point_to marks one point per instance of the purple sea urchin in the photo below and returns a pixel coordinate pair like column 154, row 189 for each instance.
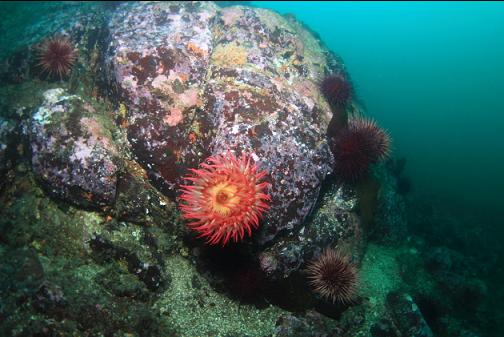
column 362, row 143
column 57, row 56
column 333, row 276
column 337, row 90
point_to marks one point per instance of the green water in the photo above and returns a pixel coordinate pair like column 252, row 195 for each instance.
column 432, row 73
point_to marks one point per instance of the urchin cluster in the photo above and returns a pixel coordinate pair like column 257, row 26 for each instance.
column 226, row 198
column 359, row 145
column 57, row 56
column 333, row 276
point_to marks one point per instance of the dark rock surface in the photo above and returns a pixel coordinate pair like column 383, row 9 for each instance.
column 383, row 328
column 312, row 325
column 72, row 151
column 333, row 224
column 8, row 142
column 407, row 315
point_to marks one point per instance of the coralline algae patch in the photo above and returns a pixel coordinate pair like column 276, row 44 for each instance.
column 229, row 55
column 198, row 80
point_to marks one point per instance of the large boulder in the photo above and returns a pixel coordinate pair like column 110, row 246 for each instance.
column 195, row 80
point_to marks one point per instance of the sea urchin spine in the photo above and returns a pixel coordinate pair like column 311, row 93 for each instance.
column 226, row 199
column 333, row 276
column 57, row 56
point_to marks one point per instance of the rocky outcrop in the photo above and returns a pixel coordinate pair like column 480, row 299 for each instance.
column 196, row 80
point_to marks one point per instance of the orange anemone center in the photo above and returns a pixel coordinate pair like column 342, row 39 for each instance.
column 223, row 198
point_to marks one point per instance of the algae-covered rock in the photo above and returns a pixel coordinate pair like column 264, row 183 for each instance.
column 312, row 324
column 407, row 315
column 66, row 287
column 72, row 150
column 333, row 224
column 198, row 80
column 8, row 137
